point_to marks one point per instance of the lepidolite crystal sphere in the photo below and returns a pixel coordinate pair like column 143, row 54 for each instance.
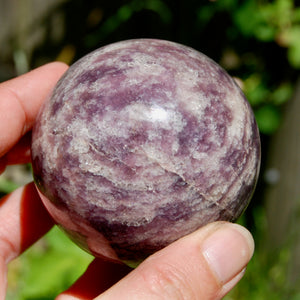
column 142, row 142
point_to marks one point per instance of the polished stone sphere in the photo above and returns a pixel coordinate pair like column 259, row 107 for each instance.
column 142, row 142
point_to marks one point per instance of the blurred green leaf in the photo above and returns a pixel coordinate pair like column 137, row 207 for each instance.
column 255, row 90
column 282, row 94
column 49, row 267
column 248, row 18
column 268, row 119
column 296, row 297
column 7, row 186
column 161, row 8
column 123, row 14
column 265, row 33
column 294, row 55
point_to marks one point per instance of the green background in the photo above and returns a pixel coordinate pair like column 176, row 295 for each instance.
column 258, row 42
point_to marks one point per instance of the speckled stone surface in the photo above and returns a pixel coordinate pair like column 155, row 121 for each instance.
column 142, row 142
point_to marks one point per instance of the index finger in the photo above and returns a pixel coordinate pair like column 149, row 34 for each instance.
column 23, row 220
column 20, row 100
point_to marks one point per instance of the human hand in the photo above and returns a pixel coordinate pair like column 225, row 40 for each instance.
column 203, row 265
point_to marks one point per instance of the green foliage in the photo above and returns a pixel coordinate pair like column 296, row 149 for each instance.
column 265, row 102
column 262, row 35
column 257, row 41
column 124, row 13
column 272, row 21
column 7, row 186
column 47, row 268
column 266, row 27
column 268, row 118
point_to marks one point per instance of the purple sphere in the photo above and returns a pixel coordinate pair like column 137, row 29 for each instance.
column 142, row 142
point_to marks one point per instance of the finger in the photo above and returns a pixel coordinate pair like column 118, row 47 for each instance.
column 20, row 100
column 203, row 265
column 19, row 154
column 23, row 220
column 3, row 271
column 99, row 276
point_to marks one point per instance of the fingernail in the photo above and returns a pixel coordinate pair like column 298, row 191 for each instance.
column 228, row 286
column 228, row 250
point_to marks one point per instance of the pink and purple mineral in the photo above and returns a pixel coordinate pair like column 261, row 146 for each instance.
column 142, row 142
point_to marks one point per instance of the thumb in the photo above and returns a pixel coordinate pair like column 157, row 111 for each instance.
column 203, row 265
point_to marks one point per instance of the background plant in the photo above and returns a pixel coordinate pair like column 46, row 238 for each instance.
column 256, row 41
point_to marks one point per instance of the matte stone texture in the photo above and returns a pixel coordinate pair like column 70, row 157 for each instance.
column 142, row 142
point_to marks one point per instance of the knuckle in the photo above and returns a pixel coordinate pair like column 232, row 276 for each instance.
column 8, row 249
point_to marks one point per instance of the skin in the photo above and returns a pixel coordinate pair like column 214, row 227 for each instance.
column 203, row 265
